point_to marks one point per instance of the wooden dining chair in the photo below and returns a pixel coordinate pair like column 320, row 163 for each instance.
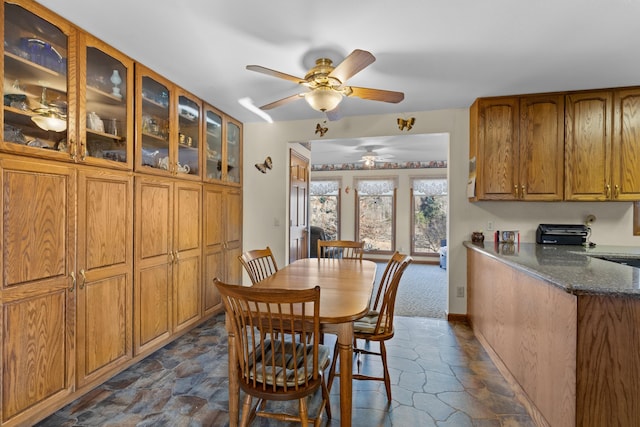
column 259, row 264
column 346, row 249
column 377, row 325
column 277, row 369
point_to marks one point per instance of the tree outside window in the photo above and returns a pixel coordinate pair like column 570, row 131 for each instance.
column 375, row 212
column 430, row 206
column 324, row 200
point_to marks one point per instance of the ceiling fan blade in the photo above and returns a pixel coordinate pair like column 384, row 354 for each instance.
column 352, row 64
column 274, row 73
column 377, row 94
column 282, row 101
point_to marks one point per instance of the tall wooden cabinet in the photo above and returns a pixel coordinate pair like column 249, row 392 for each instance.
column 104, row 273
column 517, row 144
column 222, row 240
column 108, row 230
column 38, row 286
column 167, row 259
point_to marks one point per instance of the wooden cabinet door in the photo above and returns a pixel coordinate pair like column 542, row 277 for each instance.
column 153, row 268
column 187, row 248
column 626, row 145
column 105, row 269
column 37, row 293
column 497, row 149
column 541, row 148
column 588, row 146
column 214, row 234
column 233, row 234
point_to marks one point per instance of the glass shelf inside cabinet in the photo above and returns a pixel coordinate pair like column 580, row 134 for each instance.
column 35, row 81
column 214, row 145
column 188, row 136
column 233, row 152
column 106, row 109
column 155, row 124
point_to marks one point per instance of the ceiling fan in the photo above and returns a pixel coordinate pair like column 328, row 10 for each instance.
column 327, row 84
column 370, row 157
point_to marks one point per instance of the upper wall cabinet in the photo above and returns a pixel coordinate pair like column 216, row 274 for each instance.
column 168, row 131
column 603, row 145
column 39, row 83
column 223, row 151
column 67, row 96
column 517, row 143
column 105, row 105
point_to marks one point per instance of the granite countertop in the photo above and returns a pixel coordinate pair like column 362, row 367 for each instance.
column 572, row 268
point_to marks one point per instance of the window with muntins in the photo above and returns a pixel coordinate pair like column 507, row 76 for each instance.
column 375, row 214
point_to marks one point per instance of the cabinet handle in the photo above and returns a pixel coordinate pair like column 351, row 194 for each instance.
column 73, row 281
column 616, row 191
column 173, row 259
column 522, row 191
column 607, row 190
column 84, row 278
column 515, row 187
column 83, row 150
column 177, row 256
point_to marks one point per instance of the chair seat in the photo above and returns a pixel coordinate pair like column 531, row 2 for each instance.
column 294, row 367
column 367, row 324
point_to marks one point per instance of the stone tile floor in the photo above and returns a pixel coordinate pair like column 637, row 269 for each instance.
column 440, row 374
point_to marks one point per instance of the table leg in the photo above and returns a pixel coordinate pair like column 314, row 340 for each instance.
column 234, row 384
column 345, row 346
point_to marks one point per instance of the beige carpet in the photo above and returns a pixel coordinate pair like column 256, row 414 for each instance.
column 422, row 291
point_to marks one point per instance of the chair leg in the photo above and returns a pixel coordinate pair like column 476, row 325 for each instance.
column 387, row 378
column 246, row 411
column 304, row 412
column 325, row 397
column 332, row 371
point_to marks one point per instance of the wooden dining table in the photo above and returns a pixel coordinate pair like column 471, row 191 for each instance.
column 346, row 286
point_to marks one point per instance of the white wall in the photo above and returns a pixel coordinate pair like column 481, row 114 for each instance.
column 266, row 195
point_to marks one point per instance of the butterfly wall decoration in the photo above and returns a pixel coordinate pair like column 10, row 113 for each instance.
column 321, row 130
column 406, row 124
column 263, row 167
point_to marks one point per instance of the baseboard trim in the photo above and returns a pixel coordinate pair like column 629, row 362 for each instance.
column 453, row 317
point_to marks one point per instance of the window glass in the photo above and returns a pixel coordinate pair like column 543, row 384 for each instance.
column 376, row 214
column 430, row 206
column 324, row 199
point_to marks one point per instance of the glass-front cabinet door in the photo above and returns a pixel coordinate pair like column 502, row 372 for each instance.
column 234, row 151
column 39, row 89
column 105, row 110
column 153, row 123
column 213, row 149
column 189, row 119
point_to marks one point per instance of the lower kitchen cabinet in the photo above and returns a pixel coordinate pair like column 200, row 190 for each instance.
column 222, row 240
column 66, row 289
column 104, row 288
column 38, row 261
column 167, row 259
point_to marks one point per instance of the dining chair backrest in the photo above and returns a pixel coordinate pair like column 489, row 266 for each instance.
column 346, row 249
column 259, row 264
column 272, row 364
column 385, row 301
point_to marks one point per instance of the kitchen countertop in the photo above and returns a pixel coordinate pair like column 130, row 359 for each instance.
column 572, row 268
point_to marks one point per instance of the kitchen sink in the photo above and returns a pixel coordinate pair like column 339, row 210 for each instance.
column 625, row 260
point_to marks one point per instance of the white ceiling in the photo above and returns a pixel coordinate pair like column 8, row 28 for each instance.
column 441, row 54
column 396, row 149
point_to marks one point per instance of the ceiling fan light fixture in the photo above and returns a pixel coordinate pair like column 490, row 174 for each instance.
column 369, row 161
column 323, row 98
